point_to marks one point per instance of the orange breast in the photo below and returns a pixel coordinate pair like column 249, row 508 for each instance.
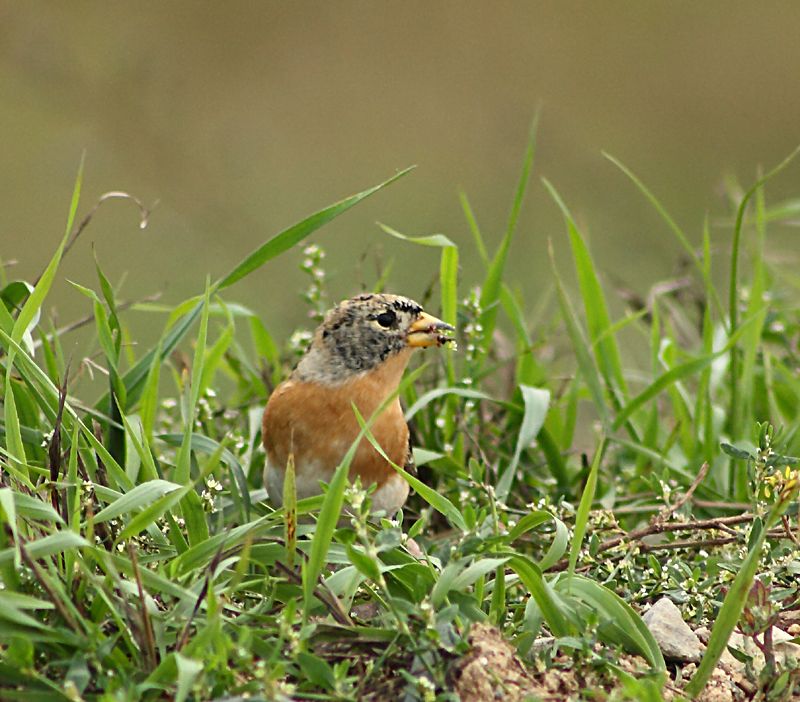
column 316, row 422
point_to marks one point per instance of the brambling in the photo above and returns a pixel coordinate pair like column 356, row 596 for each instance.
column 357, row 356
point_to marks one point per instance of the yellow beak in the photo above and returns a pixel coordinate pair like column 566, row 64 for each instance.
column 426, row 331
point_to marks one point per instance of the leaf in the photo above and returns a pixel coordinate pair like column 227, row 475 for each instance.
column 551, row 607
column 594, row 303
column 8, row 513
column 493, row 283
column 432, row 395
column 317, row 670
column 48, row 545
column 536, row 403
column 585, row 506
column 728, row 615
column 205, row 444
column 363, row 563
column 188, row 671
column 326, row 525
column 465, row 577
column 560, row 538
column 295, row 234
column 434, row 240
column 618, row 621
column 141, row 496
column 586, row 362
column 33, row 508
column 738, row 453
column 290, row 511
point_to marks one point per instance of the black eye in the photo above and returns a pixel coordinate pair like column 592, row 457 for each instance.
column 386, row 319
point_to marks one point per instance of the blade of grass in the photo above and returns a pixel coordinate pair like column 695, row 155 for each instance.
column 674, row 374
column 617, row 616
column 474, row 229
column 674, row 228
column 594, row 303
column 27, row 316
column 493, row 283
column 585, row 506
column 536, row 403
column 191, row 507
column 290, row 511
column 295, row 234
column 586, row 362
column 728, row 616
column 733, row 291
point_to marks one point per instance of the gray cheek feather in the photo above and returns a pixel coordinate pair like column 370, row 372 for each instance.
column 364, row 350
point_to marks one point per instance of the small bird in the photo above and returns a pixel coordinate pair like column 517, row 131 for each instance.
column 357, row 356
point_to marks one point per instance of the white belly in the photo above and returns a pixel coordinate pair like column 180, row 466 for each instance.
column 388, row 498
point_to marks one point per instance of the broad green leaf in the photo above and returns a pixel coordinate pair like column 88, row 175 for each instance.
column 617, row 619
column 435, row 240
column 432, row 395
column 536, row 403
column 141, row 496
column 48, row 545
column 34, row 508
column 189, row 670
column 551, row 607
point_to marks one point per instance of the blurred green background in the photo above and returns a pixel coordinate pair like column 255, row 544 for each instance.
column 240, row 118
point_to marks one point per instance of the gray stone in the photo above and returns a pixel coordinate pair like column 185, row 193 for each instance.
column 673, row 636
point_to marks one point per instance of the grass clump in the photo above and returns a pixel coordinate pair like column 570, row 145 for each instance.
column 138, row 559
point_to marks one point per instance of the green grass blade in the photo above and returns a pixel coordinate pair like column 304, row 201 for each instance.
column 436, row 393
column 618, row 621
column 674, row 374
column 585, row 506
column 290, row 511
column 474, row 229
column 680, row 235
column 493, row 283
column 138, row 498
column 728, row 616
column 733, row 284
column 326, row 524
column 598, row 320
column 552, row 609
column 296, row 233
column 586, row 362
column 536, row 403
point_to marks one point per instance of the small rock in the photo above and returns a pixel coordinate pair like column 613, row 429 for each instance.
column 673, row 636
column 781, row 641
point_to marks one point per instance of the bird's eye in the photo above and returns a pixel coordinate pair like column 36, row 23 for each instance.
column 386, row 319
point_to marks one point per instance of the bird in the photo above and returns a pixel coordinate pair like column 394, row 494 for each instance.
column 357, row 356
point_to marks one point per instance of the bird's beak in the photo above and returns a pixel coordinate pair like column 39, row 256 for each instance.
column 427, row 331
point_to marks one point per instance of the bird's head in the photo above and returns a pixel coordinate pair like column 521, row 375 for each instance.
column 365, row 331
